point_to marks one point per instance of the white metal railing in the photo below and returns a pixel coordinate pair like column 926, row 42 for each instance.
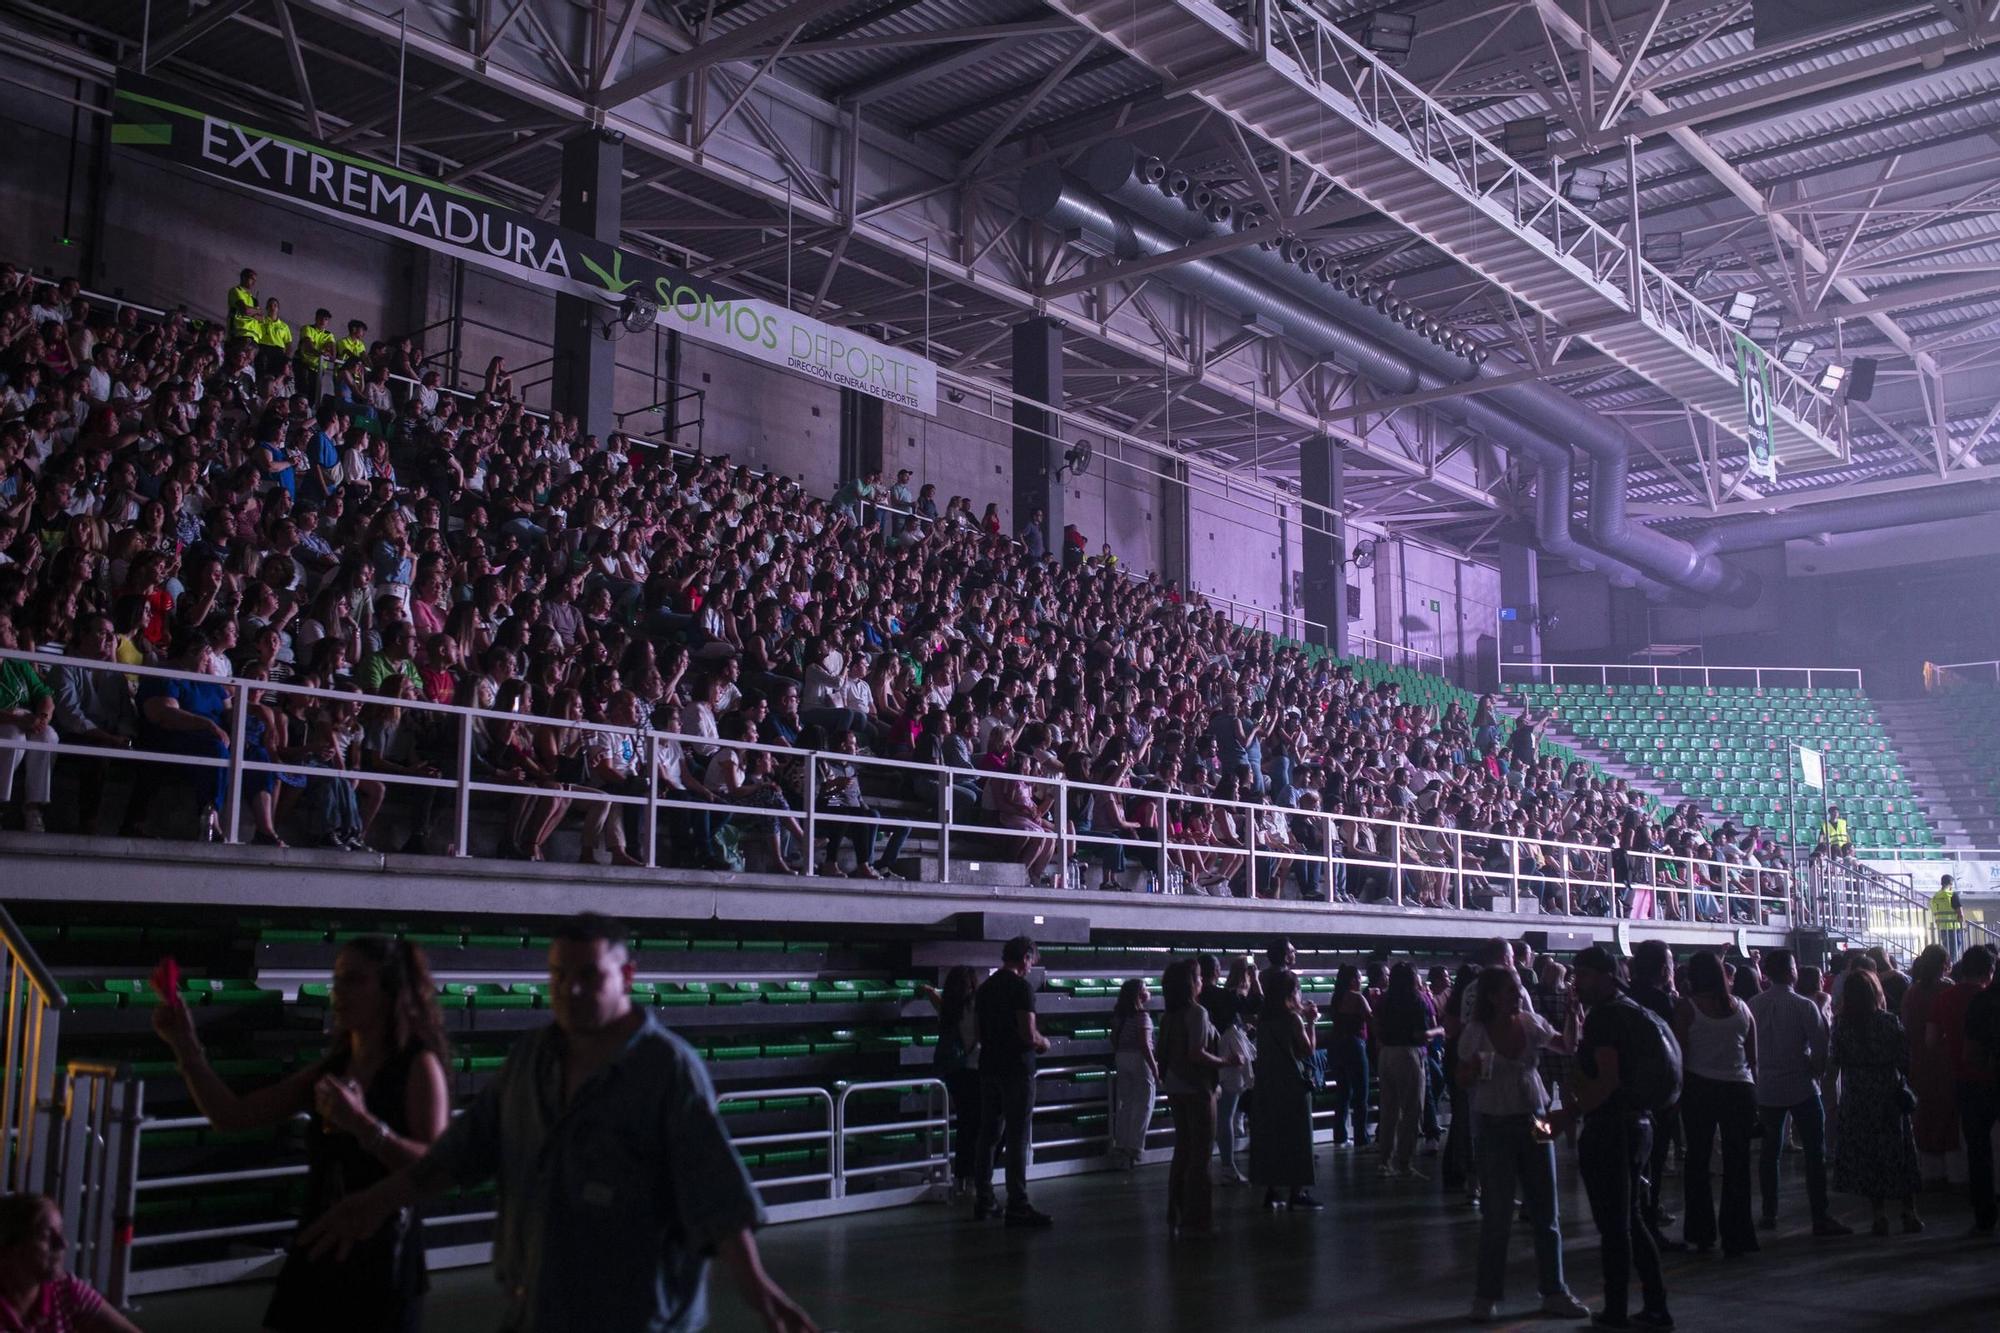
column 1946, row 675
column 825, row 1136
column 1297, row 40
column 1243, row 854
column 934, row 1126
column 97, row 1174
column 1650, row 673
column 1873, row 906
column 30, row 1105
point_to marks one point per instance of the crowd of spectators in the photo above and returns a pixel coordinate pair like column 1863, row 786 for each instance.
column 322, row 512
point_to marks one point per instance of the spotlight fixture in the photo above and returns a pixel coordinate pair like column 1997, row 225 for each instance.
column 1584, row 186
column 1764, row 327
column 1391, row 36
column 1741, row 306
column 1663, row 247
column 1832, row 378
column 1797, row 352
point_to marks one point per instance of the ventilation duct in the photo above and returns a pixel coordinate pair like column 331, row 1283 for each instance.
column 1396, row 359
column 1931, row 505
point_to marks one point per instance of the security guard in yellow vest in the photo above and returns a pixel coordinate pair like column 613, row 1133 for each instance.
column 1833, row 832
column 242, row 306
column 1946, row 919
column 354, row 347
column 316, row 354
column 274, row 340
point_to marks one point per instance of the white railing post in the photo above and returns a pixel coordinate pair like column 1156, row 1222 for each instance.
column 652, row 750
column 238, row 729
column 1514, row 872
column 1396, row 861
column 463, row 836
column 1062, row 857
column 947, row 789
column 812, row 812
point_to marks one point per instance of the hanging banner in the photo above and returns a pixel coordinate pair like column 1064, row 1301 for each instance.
column 159, row 121
column 1815, row 772
column 1753, row 372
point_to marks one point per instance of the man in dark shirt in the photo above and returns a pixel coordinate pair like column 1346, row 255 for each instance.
column 1613, row 1144
column 1004, row 1011
column 1653, row 988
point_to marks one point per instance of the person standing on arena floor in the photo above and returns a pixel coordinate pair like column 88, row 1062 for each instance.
column 1947, row 918
column 617, row 1179
column 1009, row 1041
column 1348, row 1055
column 1615, row 1139
column 1499, row 1053
column 1404, row 1026
column 1281, row 1128
column 1979, row 1096
column 378, row 1100
column 955, row 1061
column 1791, row 1055
column 1719, row 1044
column 1653, row 988
column 1135, row 1074
column 1948, row 1037
column 1875, row 1150
column 1935, row 1122
column 1232, row 1005
column 1190, row 1056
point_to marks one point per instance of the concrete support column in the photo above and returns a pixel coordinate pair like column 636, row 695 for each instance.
column 1520, row 594
column 585, row 359
column 1322, row 539
column 1174, row 522
column 1038, row 446
column 861, row 434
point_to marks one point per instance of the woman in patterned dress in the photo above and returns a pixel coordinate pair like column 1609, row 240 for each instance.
column 1875, row 1150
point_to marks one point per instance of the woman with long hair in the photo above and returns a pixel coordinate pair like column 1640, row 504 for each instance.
column 1931, row 1075
column 1281, row 1128
column 38, row 1296
column 1404, row 1026
column 1136, row 1078
column 1875, row 1149
column 1347, row 1055
column 1499, row 1053
column 378, row 1100
column 956, row 1061
column 1719, row 1048
column 1189, row 1056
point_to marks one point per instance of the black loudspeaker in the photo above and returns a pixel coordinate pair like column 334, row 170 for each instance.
column 1861, row 380
column 1559, row 941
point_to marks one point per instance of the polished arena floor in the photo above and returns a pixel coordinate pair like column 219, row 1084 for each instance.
column 1385, row 1255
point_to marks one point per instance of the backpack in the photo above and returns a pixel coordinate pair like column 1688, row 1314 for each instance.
column 1649, row 1059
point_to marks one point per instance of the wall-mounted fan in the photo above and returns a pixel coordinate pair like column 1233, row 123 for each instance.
column 1076, row 459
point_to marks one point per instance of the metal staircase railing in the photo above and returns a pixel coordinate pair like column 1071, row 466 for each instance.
column 1862, row 905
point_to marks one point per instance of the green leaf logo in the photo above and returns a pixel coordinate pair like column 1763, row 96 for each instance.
column 615, row 280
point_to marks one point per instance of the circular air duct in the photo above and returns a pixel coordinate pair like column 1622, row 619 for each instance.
column 1218, row 212
column 1199, row 198
column 1293, row 251
column 1151, row 170
column 1372, row 295
column 1177, row 184
column 1315, row 265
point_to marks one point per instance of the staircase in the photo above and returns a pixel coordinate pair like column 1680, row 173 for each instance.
column 1931, row 746
column 1614, row 765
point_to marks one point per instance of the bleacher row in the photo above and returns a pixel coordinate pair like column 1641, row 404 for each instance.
column 786, row 1025
column 1733, row 749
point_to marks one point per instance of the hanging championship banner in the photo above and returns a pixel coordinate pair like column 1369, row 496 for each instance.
column 161, row 122
column 1753, row 372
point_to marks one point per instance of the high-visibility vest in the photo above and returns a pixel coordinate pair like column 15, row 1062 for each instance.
column 274, row 333
column 316, row 347
column 243, row 319
column 1944, row 912
column 1835, row 832
column 351, row 349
